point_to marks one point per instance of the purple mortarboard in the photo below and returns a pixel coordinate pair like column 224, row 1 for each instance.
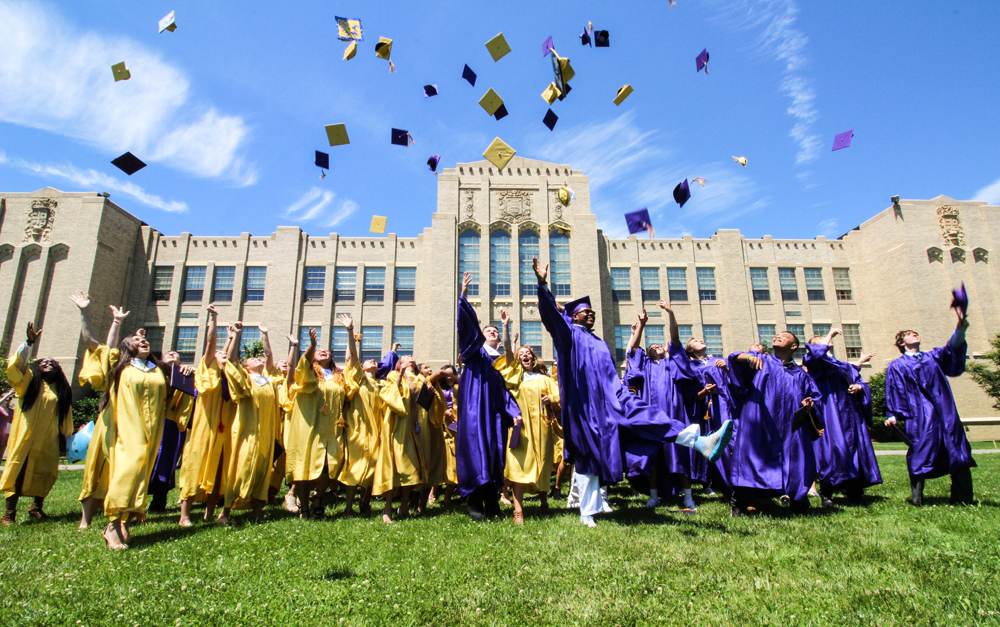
column 500, row 113
column 960, row 300
column 180, row 382
column 550, row 120
column 515, row 436
column 128, row 163
column 682, row 193
column 425, row 397
column 842, row 140
column 547, row 47
column 453, row 427
column 401, row 137
column 430, row 90
column 602, row 39
column 585, row 38
column 701, row 61
column 638, row 221
column 433, row 162
column 322, row 160
column 579, row 304
column 469, row 75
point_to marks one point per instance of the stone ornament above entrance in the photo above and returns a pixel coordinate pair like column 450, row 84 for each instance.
column 950, row 221
column 40, row 220
column 514, row 205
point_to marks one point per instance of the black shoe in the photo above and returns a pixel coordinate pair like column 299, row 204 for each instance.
column 474, row 514
column 826, row 503
column 556, row 494
column 736, row 512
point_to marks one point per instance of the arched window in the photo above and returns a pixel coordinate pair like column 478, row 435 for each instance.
column 559, row 275
column 527, row 247
column 500, row 263
column 468, row 259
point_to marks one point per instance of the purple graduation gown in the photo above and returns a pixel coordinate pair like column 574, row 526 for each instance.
column 768, row 454
column 600, row 417
column 719, row 407
column 844, row 452
column 487, row 408
column 917, row 391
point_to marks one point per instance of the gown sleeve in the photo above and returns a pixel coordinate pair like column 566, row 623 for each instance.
column 741, row 372
column 470, row 337
column 305, row 377
column 951, row 356
column 682, row 368
column 818, row 360
column 510, row 372
column 387, row 365
column 238, row 380
column 95, row 368
column 18, row 373
column 207, row 377
column 352, row 380
column 558, row 324
column 392, row 396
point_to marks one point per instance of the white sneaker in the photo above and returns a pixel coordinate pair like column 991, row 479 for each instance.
column 708, row 491
column 588, row 520
column 654, row 501
column 606, row 508
column 689, row 504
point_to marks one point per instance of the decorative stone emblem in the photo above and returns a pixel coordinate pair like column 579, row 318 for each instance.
column 557, row 206
column 951, row 226
column 981, row 255
column 40, row 220
column 957, row 255
column 470, row 203
column 935, row 254
column 515, row 205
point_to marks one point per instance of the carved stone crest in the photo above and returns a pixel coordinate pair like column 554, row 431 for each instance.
column 40, row 220
column 951, row 226
column 557, row 207
column 470, row 203
column 515, row 205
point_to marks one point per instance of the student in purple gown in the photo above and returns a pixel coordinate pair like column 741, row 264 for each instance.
column 177, row 419
column 712, row 400
column 488, row 410
column 780, row 416
column 601, row 419
column 844, row 455
column 917, row 391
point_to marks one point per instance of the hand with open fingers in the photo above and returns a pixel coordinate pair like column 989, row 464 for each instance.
column 263, row 329
column 347, row 320
column 722, row 364
column 504, row 317
column 81, row 299
column 755, row 362
column 834, row 332
column 291, row 338
column 643, row 317
column 312, row 335
column 540, row 274
column 33, row 334
column 187, row 371
column 662, row 304
column 118, row 314
column 397, row 346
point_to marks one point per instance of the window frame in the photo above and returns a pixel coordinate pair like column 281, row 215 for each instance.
column 314, row 295
column 621, row 276
column 652, row 276
column 404, row 294
column 340, row 294
column 374, row 294
column 223, row 295
column 254, row 294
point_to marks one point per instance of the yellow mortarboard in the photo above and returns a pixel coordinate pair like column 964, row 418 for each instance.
column 491, row 101
column 350, row 51
column 551, row 93
column 741, row 160
column 121, row 72
column 337, row 134
column 378, row 224
column 383, row 48
column 168, row 23
column 498, row 47
column 566, row 69
column 623, row 93
column 499, row 153
column 348, row 29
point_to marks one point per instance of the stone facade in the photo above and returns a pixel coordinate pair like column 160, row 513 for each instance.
column 892, row 272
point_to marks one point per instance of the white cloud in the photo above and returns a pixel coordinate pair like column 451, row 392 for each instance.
column 989, row 194
column 58, row 79
column 828, row 228
column 312, row 207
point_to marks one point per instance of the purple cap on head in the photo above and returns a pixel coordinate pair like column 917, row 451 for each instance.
column 701, row 61
column 469, row 75
column 638, row 221
column 842, row 140
column 960, row 299
column 682, row 193
column 575, row 306
column 550, row 120
column 547, row 46
column 430, row 90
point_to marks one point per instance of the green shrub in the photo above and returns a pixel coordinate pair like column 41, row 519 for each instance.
column 85, row 408
column 988, row 376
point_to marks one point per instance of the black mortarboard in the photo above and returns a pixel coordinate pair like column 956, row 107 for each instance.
column 401, row 137
column 425, row 397
column 322, row 160
column 960, row 300
column 469, row 75
column 430, row 90
column 601, row 39
column 501, row 112
column 433, row 162
column 128, row 163
column 550, row 120
column 585, row 38
column 682, row 193
column 576, row 305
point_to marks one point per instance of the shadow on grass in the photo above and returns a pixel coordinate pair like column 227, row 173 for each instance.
column 338, row 574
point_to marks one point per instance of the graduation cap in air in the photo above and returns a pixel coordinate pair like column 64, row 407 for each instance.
column 547, row 46
column 740, row 160
column 960, row 300
column 499, row 153
column 564, row 195
column 682, row 193
column 563, row 72
column 337, row 134
column 430, row 90
column 349, row 29
column 550, row 119
column 842, row 140
column 623, row 93
column 551, row 93
column 378, row 224
column 585, row 35
column 383, row 49
column 602, row 39
column 577, row 305
column 638, row 221
column 120, row 72
column 432, row 163
column 322, row 162
column 401, row 137
column 491, row 101
column 168, row 23
column 701, row 61
column 128, row 163
column 501, row 112
column 350, row 51
column 498, row 47
column 469, row 75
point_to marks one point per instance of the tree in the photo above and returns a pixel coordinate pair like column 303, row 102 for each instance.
column 877, row 430
column 85, row 408
column 988, row 376
column 253, row 349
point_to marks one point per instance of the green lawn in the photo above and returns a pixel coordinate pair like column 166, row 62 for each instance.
column 900, row 446
column 886, row 564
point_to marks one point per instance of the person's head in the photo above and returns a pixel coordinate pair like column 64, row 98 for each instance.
column 283, row 366
column 585, row 317
column 527, row 357
column 324, row 358
column 406, row 363
column 450, row 378
column 492, row 335
column 50, row 372
column 171, row 357
column 756, row 347
column 784, row 344
column 817, row 339
column 425, row 370
column 254, row 365
column 370, row 367
column 907, row 339
column 49, row 369
column 655, row 351
column 221, row 357
column 695, row 347
column 136, row 345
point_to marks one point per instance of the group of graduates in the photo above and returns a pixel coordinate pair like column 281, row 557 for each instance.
column 753, row 425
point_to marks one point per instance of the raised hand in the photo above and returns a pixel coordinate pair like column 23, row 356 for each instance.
column 232, row 331
column 312, row 335
column 664, row 305
column 466, row 282
column 808, row 402
column 540, row 274
column 263, row 329
column 397, row 346
column 504, row 317
column 81, row 299
column 346, row 320
column 865, row 358
column 643, row 317
column 291, row 338
column 118, row 314
column 32, row 333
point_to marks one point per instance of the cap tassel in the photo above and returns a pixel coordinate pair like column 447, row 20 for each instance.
column 322, row 176
column 649, row 227
column 392, row 67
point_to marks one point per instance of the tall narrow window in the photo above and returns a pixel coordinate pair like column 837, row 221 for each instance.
column 620, row 285
column 374, row 285
column 304, row 338
column 531, row 335
column 527, row 247
column 789, row 288
column 799, row 331
column 163, row 277
column 338, row 344
column 677, row 284
column 814, row 283
column 371, row 343
column 403, row 335
column 713, row 339
column 765, row 333
column 256, row 279
column 315, row 284
column 622, row 335
column 706, row 283
column 852, row 338
column 649, row 282
column 654, row 335
column 194, row 284
column 222, row 288
column 406, row 284
column 249, row 336
column 559, row 273
column 842, row 283
column 187, row 343
column 345, row 282
column 154, row 336
column 758, row 282
column 468, row 259
column 500, row 263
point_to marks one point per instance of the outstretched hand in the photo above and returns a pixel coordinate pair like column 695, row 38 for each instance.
column 291, row 339
column 33, row 334
column 504, row 317
column 81, row 299
column 643, row 318
column 466, row 282
column 540, row 274
column 755, row 362
column 664, row 305
column 118, row 314
column 865, row 358
column 347, row 320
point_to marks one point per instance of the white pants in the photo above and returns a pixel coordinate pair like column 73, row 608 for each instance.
column 591, row 500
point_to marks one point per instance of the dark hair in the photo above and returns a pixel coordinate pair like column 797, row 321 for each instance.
column 794, row 337
column 127, row 352
column 649, row 351
column 900, row 344
column 62, row 388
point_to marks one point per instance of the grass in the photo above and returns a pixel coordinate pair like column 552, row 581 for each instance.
column 900, row 446
column 885, row 564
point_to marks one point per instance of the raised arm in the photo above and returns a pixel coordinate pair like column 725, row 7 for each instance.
column 117, row 315
column 82, row 301
column 553, row 318
column 675, row 331
column 293, row 351
column 508, row 349
column 832, row 334
column 311, row 351
column 234, row 331
column 470, row 336
column 352, row 344
column 637, row 328
column 268, row 355
column 211, row 335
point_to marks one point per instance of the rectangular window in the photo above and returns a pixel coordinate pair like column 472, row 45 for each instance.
column 187, row 343
column 338, row 344
column 345, row 280
column 706, row 283
column 622, row 335
column 374, row 285
column 304, row 338
column 194, row 284
column 468, row 259
column 315, row 284
column 163, row 277
column 531, row 335
column 758, row 282
column 821, row 329
column 842, row 283
column 655, row 335
column 789, row 288
column 814, row 283
column 799, row 331
column 852, row 338
column 222, row 289
column 559, row 273
column 793, row 313
column 620, row 285
column 527, row 247
column 251, row 335
column 256, row 278
column 649, row 282
column 154, row 335
column 713, row 339
column 406, row 284
column 403, row 335
column 371, row 343
column 500, row 263
column 677, row 284
column 765, row 333
column 686, row 332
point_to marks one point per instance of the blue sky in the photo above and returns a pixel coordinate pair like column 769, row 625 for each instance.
column 228, row 109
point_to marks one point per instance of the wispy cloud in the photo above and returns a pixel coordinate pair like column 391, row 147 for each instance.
column 58, row 79
column 828, row 228
column 318, row 206
column 990, row 193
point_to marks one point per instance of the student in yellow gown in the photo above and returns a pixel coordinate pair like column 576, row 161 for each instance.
column 436, row 444
column 44, row 410
column 529, row 464
column 282, row 371
column 258, row 400
column 95, row 370
column 399, row 467
column 451, row 415
column 314, row 443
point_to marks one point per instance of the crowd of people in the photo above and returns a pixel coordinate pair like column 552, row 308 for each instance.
column 499, row 426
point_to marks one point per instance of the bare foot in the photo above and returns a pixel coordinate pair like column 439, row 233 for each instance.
column 290, row 503
column 83, row 525
column 125, row 533
column 112, row 539
column 387, row 519
column 185, row 522
column 223, row 518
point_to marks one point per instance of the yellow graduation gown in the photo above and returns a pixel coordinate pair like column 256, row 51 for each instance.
column 314, row 433
column 557, row 432
column 278, row 467
column 95, row 369
column 530, row 463
column 208, row 443
column 33, row 443
column 248, row 474
column 451, row 469
column 363, row 413
column 398, row 463
column 437, row 460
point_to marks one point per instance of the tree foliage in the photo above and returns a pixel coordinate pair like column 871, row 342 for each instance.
column 877, row 430
column 85, row 408
column 253, row 349
column 988, row 375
